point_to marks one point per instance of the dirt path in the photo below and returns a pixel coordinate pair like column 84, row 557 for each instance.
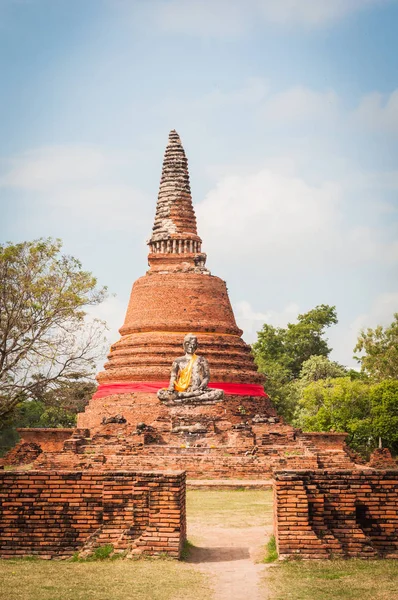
column 229, row 556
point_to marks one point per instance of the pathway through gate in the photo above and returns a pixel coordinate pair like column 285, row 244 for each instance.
column 229, row 530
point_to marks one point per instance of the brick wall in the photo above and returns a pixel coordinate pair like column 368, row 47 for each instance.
column 381, row 459
column 329, row 440
column 50, row 439
column 54, row 514
column 199, row 463
column 319, row 514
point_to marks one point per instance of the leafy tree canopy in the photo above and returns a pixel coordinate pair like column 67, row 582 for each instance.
column 45, row 340
column 367, row 411
column 280, row 353
column 291, row 346
column 320, row 367
column 379, row 348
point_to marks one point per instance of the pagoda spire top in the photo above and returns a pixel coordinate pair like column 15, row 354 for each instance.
column 174, row 231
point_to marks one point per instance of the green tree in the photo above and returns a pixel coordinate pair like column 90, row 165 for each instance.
column 366, row 411
column 293, row 345
column 280, row 387
column 379, row 348
column 280, row 353
column 384, row 401
column 50, row 408
column 45, row 338
column 320, row 367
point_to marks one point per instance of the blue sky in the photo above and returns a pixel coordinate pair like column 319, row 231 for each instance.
column 288, row 111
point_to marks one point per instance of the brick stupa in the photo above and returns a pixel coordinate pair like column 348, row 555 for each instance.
column 178, row 295
column 125, row 425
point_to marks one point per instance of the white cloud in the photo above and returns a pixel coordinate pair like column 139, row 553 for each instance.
column 378, row 112
column 216, row 18
column 112, row 312
column 251, row 93
column 251, row 321
column 283, row 217
column 226, row 18
column 44, row 168
column 114, row 207
column 267, row 212
column 313, row 13
column 380, row 312
column 298, row 105
column 74, row 184
column 344, row 339
column 301, row 104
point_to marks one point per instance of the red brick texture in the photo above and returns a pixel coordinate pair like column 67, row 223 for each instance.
column 162, row 309
column 33, row 442
column 199, row 463
column 381, row 459
column 23, row 453
column 49, row 439
column 232, row 443
column 320, row 514
column 54, row 514
column 145, row 407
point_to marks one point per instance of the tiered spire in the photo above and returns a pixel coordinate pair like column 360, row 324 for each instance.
column 174, row 231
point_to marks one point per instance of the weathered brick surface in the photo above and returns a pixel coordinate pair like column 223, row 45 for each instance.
column 33, row 442
column 23, row 453
column 54, row 514
column 49, row 439
column 381, row 459
column 235, row 441
column 235, row 445
column 199, row 463
column 147, row 408
column 319, row 514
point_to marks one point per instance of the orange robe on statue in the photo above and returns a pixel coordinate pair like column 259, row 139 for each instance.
column 184, row 377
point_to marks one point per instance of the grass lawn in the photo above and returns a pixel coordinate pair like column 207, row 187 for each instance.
column 333, row 580
column 163, row 579
column 230, row 508
column 101, row 580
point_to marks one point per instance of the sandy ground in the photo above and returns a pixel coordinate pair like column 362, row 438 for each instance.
column 230, row 557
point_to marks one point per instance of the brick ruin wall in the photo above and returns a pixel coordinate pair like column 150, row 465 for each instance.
column 199, row 463
column 55, row 514
column 323, row 514
column 248, row 452
column 34, row 441
column 50, row 439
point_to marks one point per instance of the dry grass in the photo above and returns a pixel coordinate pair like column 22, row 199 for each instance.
column 172, row 580
column 230, row 508
column 104, row 580
column 333, row 580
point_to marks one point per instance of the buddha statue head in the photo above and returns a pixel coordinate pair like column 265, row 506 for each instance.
column 190, row 343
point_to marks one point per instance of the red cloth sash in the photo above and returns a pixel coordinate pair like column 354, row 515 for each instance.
column 239, row 389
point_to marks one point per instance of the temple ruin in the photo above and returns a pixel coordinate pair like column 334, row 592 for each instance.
column 211, row 419
column 125, row 424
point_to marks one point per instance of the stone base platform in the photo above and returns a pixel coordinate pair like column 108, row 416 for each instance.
column 146, row 408
column 240, row 438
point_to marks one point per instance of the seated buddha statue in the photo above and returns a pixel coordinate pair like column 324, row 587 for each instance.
column 190, row 376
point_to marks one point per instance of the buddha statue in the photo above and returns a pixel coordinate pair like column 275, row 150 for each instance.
column 190, row 376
